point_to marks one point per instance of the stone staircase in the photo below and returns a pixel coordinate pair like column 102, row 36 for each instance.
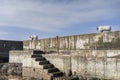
column 49, row 69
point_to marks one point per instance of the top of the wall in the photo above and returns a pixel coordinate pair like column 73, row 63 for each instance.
column 10, row 40
column 89, row 34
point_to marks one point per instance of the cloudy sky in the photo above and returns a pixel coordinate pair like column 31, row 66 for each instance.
column 48, row 18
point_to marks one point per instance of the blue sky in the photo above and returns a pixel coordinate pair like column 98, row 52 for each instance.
column 48, row 18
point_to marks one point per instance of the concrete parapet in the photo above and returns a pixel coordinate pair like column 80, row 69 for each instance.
column 21, row 56
column 31, row 67
column 86, row 63
column 89, row 63
column 104, row 40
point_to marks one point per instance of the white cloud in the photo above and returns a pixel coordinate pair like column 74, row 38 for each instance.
column 52, row 15
column 115, row 27
column 3, row 34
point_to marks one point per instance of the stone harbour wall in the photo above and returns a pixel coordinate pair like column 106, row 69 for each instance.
column 104, row 40
column 103, row 64
column 7, row 69
column 87, row 63
column 7, row 45
column 20, row 56
column 30, row 67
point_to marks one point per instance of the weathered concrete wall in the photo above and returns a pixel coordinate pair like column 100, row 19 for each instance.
column 6, row 45
column 7, row 69
column 89, row 63
column 21, row 56
column 30, row 67
column 105, row 40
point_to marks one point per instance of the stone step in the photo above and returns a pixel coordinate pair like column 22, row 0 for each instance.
column 57, row 74
column 38, row 52
column 46, row 66
column 44, row 62
column 36, row 55
column 40, row 59
column 52, row 70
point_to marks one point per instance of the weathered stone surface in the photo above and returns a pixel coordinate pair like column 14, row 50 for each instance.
column 11, row 69
column 89, row 63
column 6, row 46
column 104, row 40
